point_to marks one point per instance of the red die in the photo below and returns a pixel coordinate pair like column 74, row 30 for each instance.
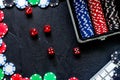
column 28, row 10
column 51, row 51
column 47, row 28
column 76, row 51
column 73, row 78
column 33, row 32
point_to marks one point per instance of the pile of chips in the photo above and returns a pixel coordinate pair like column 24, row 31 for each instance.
column 92, row 20
column 21, row 4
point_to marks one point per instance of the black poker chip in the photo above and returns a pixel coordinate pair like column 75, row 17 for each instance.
column 115, row 57
column 8, row 3
column 54, row 3
column 117, row 73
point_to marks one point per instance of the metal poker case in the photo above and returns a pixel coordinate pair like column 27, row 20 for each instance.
column 77, row 32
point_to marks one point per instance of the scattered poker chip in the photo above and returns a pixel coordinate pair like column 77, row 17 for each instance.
column 21, row 4
column 49, row 76
column 2, row 6
column 1, row 74
column 25, row 78
column 73, row 78
column 2, row 59
column 8, row 3
column 44, row 3
column 16, row 77
column 3, row 29
column 1, row 15
column 34, row 2
column 3, row 48
column 1, row 41
column 47, row 28
column 54, row 4
column 9, row 68
column 115, row 57
column 28, row 10
column 35, row 77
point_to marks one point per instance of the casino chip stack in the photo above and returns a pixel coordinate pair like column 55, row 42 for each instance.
column 115, row 57
column 44, row 3
column 9, row 68
column 117, row 74
column 84, row 21
column 1, row 4
column 21, row 4
column 49, row 76
column 97, row 16
column 111, row 15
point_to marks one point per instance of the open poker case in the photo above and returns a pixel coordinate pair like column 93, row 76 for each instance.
column 76, row 25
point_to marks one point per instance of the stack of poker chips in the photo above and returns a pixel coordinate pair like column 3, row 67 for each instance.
column 84, row 21
column 111, row 15
column 91, row 21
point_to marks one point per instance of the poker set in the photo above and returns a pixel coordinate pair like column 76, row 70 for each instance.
column 92, row 20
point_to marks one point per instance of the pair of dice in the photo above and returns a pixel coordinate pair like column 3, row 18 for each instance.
column 34, row 31
column 51, row 51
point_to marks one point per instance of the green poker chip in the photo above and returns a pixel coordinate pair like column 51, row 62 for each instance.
column 35, row 77
column 49, row 76
column 34, row 2
column 1, row 74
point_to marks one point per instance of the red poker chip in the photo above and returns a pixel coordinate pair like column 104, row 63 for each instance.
column 1, row 15
column 73, row 78
column 2, row 48
column 3, row 29
column 25, row 78
column 16, row 77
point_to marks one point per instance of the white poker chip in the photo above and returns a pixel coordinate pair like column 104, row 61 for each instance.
column 2, row 59
column 21, row 4
column 44, row 3
column 2, row 4
column 9, row 68
column 1, row 41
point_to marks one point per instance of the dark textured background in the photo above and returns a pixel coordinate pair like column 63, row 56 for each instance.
column 30, row 56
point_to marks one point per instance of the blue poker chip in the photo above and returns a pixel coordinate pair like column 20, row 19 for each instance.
column 9, row 68
column 21, row 4
column 44, row 3
column 115, row 57
column 54, row 3
column 1, row 41
column 2, row 6
column 2, row 59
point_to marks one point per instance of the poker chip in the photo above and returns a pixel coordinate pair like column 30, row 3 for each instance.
column 2, row 6
column 8, row 3
column 73, row 78
column 16, row 77
column 1, row 15
column 44, row 3
column 49, row 76
column 21, row 4
column 1, row 74
column 9, row 68
column 2, row 48
column 3, row 29
column 84, row 22
column 1, row 41
column 2, row 59
column 35, row 77
column 53, row 4
column 115, row 57
column 25, row 78
column 97, row 16
column 34, row 2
